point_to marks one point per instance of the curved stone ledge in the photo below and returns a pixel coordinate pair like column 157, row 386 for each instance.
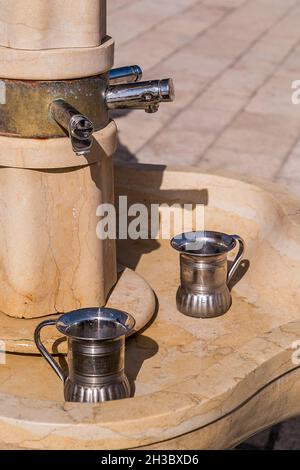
column 55, row 153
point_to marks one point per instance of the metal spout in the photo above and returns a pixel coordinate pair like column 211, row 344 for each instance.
column 79, row 127
column 142, row 95
column 130, row 73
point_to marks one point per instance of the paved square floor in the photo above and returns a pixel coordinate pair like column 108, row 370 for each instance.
column 233, row 63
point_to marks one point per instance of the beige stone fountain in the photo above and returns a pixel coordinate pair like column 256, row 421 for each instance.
column 197, row 383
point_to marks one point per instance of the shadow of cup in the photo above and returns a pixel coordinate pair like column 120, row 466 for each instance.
column 139, row 349
column 240, row 272
column 57, row 350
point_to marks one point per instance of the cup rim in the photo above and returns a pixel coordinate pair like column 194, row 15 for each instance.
column 179, row 242
column 95, row 313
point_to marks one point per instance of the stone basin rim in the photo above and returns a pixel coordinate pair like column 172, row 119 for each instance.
column 67, row 422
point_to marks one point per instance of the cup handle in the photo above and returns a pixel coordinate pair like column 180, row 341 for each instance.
column 37, row 338
column 238, row 258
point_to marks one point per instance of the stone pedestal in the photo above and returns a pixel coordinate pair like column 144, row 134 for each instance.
column 54, row 40
column 58, row 24
column 50, row 257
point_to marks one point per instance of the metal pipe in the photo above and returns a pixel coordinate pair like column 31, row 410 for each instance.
column 142, row 95
column 79, row 127
column 130, row 73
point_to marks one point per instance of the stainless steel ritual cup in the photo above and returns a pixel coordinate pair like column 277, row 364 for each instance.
column 96, row 354
column 204, row 274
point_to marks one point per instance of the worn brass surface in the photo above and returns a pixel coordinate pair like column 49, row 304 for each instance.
column 24, row 105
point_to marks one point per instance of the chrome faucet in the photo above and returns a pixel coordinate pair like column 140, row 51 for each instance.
column 125, row 90
column 130, row 73
column 79, row 127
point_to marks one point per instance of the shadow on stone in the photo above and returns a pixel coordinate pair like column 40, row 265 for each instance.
column 138, row 350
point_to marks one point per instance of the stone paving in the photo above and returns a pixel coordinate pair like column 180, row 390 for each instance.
column 233, row 64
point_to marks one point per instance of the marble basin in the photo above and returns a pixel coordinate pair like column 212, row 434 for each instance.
column 197, row 383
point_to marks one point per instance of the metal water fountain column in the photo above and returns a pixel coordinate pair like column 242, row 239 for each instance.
column 56, row 144
column 196, row 381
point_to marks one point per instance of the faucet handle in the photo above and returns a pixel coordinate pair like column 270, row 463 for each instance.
column 79, row 127
column 142, row 95
column 130, row 73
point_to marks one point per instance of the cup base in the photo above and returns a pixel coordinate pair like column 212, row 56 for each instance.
column 203, row 305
